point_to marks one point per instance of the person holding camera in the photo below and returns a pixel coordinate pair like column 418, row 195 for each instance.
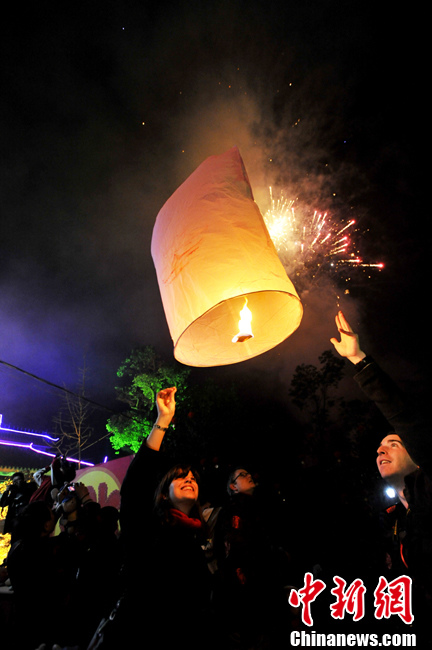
column 15, row 498
column 72, row 504
column 61, row 472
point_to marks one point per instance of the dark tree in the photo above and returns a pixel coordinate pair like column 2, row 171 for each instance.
column 73, row 420
column 312, row 389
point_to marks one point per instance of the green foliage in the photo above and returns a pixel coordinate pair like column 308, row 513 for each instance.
column 144, row 373
column 127, row 432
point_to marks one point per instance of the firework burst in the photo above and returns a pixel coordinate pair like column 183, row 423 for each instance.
column 310, row 242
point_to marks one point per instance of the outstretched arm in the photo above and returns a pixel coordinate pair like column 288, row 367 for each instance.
column 137, row 490
column 165, row 402
column 396, row 407
column 349, row 344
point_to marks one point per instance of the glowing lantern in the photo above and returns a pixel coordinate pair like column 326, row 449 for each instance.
column 214, row 257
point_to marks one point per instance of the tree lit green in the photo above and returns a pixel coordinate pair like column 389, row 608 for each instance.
column 143, row 374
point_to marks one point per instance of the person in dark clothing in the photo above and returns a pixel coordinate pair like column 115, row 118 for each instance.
column 404, row 460
column 61, row 472
column 166, row 577
column 254, row 568
column 16, row 497
column 98, row 576
column 41, row 573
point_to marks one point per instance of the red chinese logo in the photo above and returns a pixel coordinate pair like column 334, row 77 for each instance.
column 391, row 598
column 306, row 595
column 394, row 598
column 350, row 600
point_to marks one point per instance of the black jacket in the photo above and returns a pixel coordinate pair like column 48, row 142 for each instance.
column 413, row 527
column 167, row 580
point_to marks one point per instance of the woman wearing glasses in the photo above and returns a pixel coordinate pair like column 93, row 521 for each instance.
column 253, row 566
column 240, row 481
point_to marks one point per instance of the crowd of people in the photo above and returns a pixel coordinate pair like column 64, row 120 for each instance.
column 63, row 564
column 168, row 567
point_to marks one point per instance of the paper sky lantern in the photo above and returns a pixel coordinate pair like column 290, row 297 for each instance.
column 214, row 257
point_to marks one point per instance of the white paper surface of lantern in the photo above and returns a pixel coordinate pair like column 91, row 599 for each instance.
column 212, row 251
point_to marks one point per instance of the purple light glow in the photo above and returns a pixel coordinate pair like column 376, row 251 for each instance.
column 15, row 444
column 46, row 453
column 28, row 433
column 39, row 451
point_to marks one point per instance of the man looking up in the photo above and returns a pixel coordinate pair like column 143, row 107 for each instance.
column 254, row 565
column 394, row 464
column 240, row 481
column 404, row 460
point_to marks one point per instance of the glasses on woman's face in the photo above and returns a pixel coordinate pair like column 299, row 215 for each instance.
column 241, row 474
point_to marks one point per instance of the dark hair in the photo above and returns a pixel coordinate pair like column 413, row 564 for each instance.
column 162, row 503
column 231, row 475
column 109, row 518
column 63, row 470
column 68, row 470
column 31, row 522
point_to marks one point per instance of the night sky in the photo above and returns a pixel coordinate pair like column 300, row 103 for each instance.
column 106, row 108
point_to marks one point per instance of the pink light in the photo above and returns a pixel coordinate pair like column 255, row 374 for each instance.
column 16, row 444
column 22, row 445
column 72, row 460
column 28, row 433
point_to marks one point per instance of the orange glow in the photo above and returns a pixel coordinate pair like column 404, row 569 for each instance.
column 245, row 325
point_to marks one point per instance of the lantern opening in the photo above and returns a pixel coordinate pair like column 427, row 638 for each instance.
column 245, row 325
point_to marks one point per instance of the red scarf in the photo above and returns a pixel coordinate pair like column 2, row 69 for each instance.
column 182, row 519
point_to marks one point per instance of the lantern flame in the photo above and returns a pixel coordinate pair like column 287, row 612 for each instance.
column 245, row 325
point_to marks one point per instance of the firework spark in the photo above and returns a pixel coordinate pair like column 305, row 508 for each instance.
column 310, row 241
